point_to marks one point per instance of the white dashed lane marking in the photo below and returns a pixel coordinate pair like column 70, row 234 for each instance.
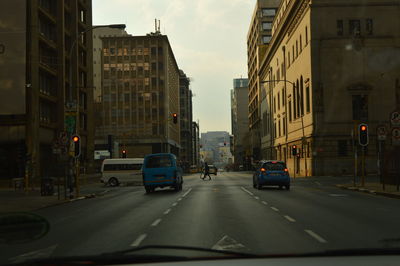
column 167, row 211
column 156, row 222
column 186, row 193
column 257, row 198
column 264, row 202
column 315, row 236
column 290, row 219
column 248, row 192
column 174, row 204
column 138, row 240
column 275, row 209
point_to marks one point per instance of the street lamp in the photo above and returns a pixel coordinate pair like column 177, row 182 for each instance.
column 302, row 121
column 70, row 104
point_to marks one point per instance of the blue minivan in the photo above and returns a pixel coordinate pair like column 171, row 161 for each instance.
column 271, row 173
column 161, row 170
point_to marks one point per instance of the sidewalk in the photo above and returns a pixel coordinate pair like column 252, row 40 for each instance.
column 11, row 200
column 373, row 188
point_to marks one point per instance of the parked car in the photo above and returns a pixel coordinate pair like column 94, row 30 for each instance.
column 161, row 170
column 126, row 170
column 271, row 173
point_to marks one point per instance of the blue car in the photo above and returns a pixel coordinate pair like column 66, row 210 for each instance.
column 161, row 170
column 271, row 173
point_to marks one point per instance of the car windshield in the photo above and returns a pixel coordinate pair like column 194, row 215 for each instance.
column 111, row 110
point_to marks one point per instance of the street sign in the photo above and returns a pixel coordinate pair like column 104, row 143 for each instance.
column 395, row 118
column 70, row 121
column 396, row 136
column 381, row 132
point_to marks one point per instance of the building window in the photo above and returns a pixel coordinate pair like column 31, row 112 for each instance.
column 267, row 25
column 292, row 53
column 274, row 104
column 339, row 27
column 279, row 102
column 301, row 96
column 268, row 12
column 297, row 49
column 290, row 111
column 284, row 126
column 308, row 106
column 279, row 128
column 355, row 27
column 360, row 107
column 294, row 102
column 266, row 39
column 369, row 26
column 306, row 35
column 342, row 148
column 283, row 97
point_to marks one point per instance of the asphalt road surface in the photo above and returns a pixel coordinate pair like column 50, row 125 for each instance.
column 226, row 213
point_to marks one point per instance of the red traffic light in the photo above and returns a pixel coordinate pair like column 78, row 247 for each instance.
column 124, row 151
column 174, row 114
column 175, row 118
column 363, row 128
column 75, row 139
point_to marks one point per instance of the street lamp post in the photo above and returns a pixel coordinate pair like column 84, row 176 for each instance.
column 286, row 123
column 71, row 106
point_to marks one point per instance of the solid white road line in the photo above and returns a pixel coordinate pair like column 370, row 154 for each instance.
column 179, row 199
column 314, row 235
column 187, row 192
column 167, row 211
column 275, row 209
column 250, row 193
column 290, row 219
column 174, row 204
column 156, row 222
column 264, row 202
column 138, row 240
column 257, row 198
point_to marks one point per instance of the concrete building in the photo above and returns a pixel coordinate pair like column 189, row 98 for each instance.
column 330, row 65
column 195, row 144
column 140, row 93
column 258, row 38
column 212, row 141
column 35, row 41
column 186, row 119
column 239, row 118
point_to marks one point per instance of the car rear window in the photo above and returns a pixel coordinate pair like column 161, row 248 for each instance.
column 159, row 162
column 270, row 166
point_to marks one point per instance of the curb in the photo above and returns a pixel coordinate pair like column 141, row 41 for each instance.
column 88, row 196
column 369, row 191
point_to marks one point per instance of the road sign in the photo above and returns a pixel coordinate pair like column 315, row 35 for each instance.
column 396, row 136
column 70, row 121
column 381, row 132
column 395, row 118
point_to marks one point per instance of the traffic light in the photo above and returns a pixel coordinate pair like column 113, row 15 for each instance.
column 76, row 139
column 175, row 117
column 123, row 153
column 363, row 139
column 294, row 150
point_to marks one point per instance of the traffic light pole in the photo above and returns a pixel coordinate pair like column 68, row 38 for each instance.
column 363, row 167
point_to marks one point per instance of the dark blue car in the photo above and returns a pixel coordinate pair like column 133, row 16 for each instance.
column 161, row 170
column 271, row 173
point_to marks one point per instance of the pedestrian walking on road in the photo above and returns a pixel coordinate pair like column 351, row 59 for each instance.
column 206, row 171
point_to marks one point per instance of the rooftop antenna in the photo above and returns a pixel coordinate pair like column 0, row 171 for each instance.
column 159, row 24
column 155, row 25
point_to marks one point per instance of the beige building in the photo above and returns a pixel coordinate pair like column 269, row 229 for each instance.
column 330, row 66
column 140, row 92
column 36, row 38
column 258, row 38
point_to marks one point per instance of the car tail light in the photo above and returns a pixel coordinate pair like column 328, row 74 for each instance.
column 286, row 171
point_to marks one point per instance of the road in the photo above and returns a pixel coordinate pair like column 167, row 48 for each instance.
column 226, row 213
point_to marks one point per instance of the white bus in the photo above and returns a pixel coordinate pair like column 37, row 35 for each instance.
column 116, row 171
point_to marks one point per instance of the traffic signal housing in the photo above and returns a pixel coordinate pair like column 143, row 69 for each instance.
column 124, row 153
column 175, row 118
column 76, row 139
column 294, row 150
column 363, row 138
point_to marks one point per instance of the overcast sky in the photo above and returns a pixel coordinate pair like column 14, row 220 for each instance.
column 208, row 38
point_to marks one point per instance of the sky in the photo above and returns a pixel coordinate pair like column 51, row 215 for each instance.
column 208, row 38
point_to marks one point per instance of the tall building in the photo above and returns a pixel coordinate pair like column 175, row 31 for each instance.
column 258, row 38
column 212, row 141
column 239, row 118
column 140, row 93
column 186, row 117
column 327, row 69
column 38, row 52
